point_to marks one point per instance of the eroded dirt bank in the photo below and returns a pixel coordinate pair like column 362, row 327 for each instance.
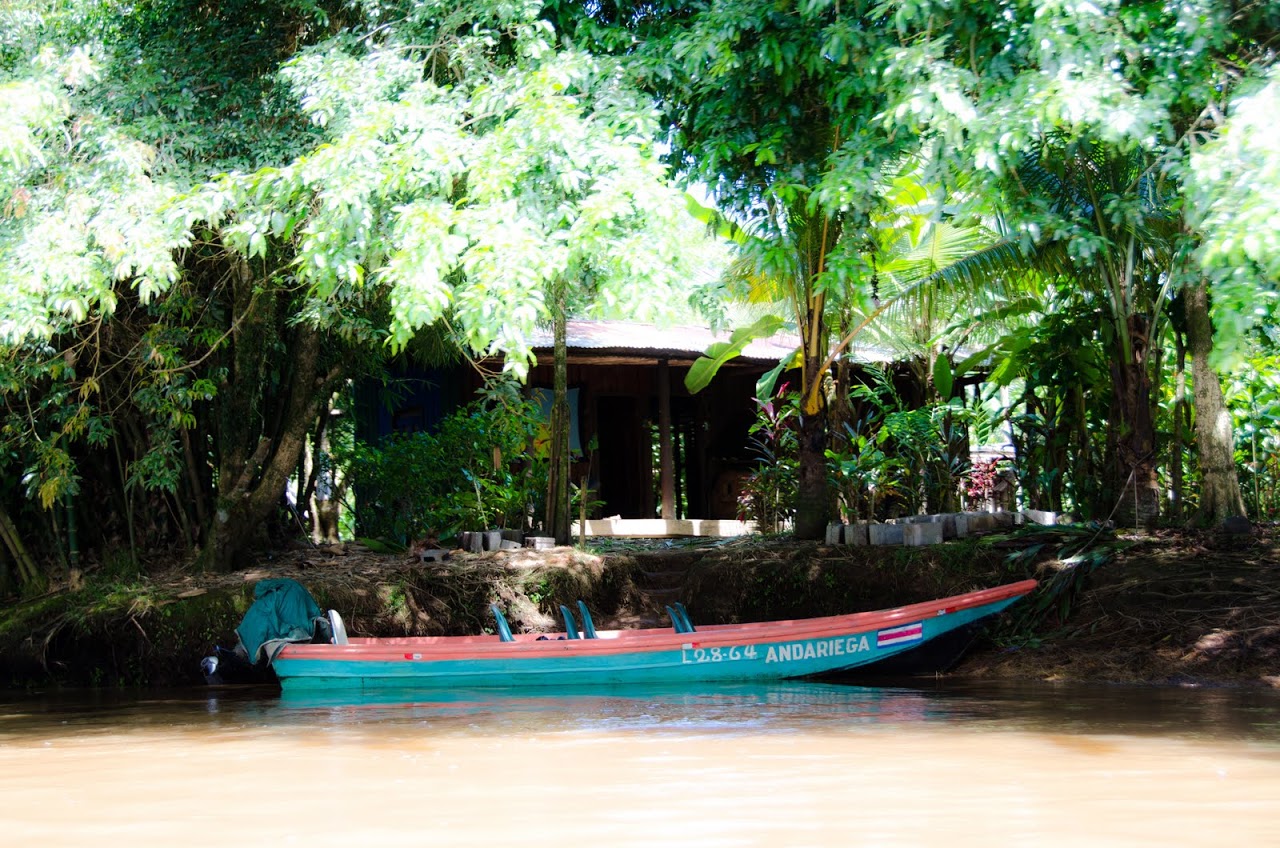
column 1171, row 608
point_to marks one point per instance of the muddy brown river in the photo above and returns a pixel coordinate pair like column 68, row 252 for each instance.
column 794, row 764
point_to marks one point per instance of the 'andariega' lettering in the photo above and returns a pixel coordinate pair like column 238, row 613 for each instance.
column 812, row 650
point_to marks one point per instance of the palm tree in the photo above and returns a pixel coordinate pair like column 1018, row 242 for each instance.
column 784, row 262
column 798, row 268
column 930, row 327
column 1106, row 238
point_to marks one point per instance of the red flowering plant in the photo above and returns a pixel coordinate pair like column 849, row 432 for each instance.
column 985, row 480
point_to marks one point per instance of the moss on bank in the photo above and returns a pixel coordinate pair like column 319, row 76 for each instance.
column 1154, row 610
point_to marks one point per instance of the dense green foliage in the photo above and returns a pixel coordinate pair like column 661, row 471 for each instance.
column 218, row 216
column 1069, row 130
column 215, row 217
column 477, row 470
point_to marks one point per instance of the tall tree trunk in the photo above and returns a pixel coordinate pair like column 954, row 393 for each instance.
column 195, row 480
column 1139, row 498
column 323, row 491
column 1220, row 496
column 1034, row 449
column 249, row 488
column 1084, row 492
column 30, row 576
column 558, row 483
column 8, row 580
column 1176, row 484
column 815, row 498
column 839, row 424
column 813, row 494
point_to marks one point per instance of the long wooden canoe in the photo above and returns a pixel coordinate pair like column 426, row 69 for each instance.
column 911, row 639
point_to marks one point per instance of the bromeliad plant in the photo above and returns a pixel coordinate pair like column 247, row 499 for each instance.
column 985, row 480
column 865, row 476
column 769, row 493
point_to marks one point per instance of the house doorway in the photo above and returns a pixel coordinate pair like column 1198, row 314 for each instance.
column 624, row 458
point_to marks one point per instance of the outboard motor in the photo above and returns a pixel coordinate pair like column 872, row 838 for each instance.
column 209, row 668
column 283, row 611
column 232, row 666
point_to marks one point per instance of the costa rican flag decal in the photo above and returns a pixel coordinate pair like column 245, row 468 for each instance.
column 900, row 635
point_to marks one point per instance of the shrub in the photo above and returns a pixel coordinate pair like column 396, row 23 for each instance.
column 475, row 471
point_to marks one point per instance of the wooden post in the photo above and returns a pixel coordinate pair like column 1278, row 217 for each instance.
column 680, row 447
column 666, row 460
column 698, row 499
column 558, row 494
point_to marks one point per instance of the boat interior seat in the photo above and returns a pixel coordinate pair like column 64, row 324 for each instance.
column 570, row 626
column 588, row 626
column 337, row 628
column 684, row 613
column 680, row 618
column 504, row 629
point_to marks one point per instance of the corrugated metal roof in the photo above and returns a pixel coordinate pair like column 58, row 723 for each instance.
column 651, row 339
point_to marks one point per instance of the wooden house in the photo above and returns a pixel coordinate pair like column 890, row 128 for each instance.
column 660, row 452
column 647, row 447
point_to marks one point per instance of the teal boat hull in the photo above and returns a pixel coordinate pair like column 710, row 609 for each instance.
column 805, row 648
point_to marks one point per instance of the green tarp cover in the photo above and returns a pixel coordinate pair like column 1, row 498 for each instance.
column 283, row 611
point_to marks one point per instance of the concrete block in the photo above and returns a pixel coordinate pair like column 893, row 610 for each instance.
column 491, row 540
column 508, row 545
column 540, row 543
column 947, row 521
column 834, row 533
column 856, row 533
column 885, row 534
column 1004, row 518
column 922, row 534
column 979, row 521
column 969, row 523
column 1039, row 516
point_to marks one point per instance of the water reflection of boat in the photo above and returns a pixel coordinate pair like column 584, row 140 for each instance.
column 918, row 638
column 727, row 706
column 778, row 694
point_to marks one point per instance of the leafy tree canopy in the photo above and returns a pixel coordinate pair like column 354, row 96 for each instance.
column 1235, row 185
column 452, row 157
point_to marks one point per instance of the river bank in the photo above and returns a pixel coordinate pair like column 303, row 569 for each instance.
column 1169, row 608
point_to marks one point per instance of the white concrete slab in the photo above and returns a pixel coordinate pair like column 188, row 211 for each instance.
column 652, row 528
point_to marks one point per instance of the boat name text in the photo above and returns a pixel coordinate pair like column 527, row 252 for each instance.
column 785, row 652
column 815, row 649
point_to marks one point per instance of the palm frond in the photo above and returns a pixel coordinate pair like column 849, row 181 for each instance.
column 1002, row 268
